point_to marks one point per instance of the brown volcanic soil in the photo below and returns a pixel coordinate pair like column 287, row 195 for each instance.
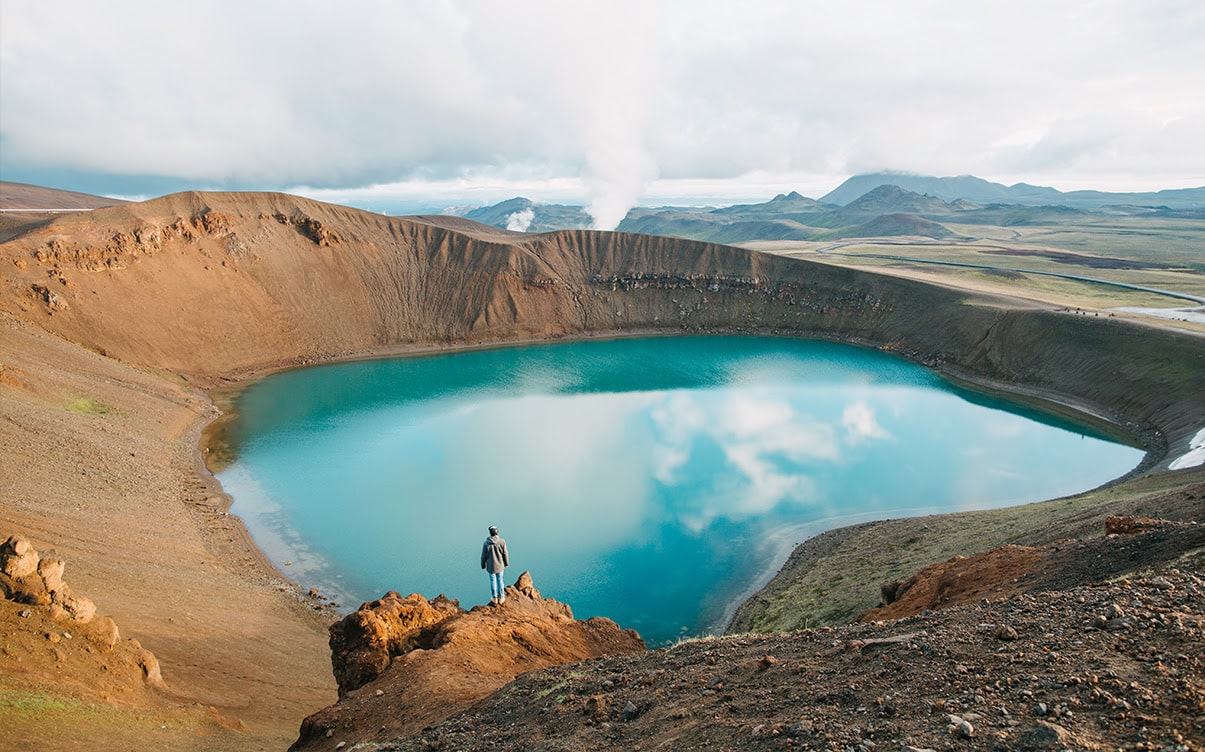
column 23, row 196
column 99, row 462
column 1033, row 645
column 112, row 320
column 1104, row 666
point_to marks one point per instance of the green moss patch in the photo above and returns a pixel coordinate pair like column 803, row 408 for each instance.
column 89, row 406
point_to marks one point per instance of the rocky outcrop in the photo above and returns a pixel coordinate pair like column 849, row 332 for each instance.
column 405, row 663
column 363, row 643
column 1129, row 544
column 987, row 574
column 311, row 228
column 26, row 577
column 1037, row 671
column 123, row 246
column 54, row 301
column 56, row 615
column 1118, row 524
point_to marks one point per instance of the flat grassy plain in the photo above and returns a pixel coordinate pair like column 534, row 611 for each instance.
column 1161, row 253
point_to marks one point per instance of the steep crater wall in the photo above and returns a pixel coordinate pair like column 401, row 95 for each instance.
column 220, row 286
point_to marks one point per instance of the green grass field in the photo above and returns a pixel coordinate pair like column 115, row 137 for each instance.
column 1161, row 253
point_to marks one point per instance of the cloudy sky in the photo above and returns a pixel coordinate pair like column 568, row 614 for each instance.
column 408, row 103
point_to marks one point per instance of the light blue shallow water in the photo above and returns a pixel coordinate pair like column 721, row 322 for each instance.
column 654, row 481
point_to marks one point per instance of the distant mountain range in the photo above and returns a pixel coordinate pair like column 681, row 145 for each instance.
column 524, row 215
column 980, row 191
column 877, row 205
column 882, row 204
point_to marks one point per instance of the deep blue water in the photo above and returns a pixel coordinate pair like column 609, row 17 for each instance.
column 654, row 481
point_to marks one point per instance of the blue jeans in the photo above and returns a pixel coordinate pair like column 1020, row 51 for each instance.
column 496, row 585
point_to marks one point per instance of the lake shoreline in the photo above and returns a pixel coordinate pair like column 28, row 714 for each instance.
column 1043, row 404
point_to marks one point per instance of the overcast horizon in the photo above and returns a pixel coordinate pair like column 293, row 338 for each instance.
column 609, row 105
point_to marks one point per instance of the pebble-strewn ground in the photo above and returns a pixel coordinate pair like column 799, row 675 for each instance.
column 1111, row 666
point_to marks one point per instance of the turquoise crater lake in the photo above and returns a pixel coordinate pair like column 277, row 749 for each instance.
column 657, row 482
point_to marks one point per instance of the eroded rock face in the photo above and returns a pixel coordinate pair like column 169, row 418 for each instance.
column 50, row 569
column 405, row 663
column 363, row 643
column 1127, row 525
column 25, row 577
column 17, row 558
column 986, row 574
column 83, row 642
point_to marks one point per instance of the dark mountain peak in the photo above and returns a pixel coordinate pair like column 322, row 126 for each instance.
column 792, row 199
column 888, row 198
column 899, row 224
column 887, row 190
column 783, row 202
column 513, row 205
column 525, row 215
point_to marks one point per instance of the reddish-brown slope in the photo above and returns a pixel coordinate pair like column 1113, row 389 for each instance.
column 25, row 197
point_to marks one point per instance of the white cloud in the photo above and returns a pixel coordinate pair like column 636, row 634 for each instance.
column 592, row 473
column 860, row 424
column 614, row 101
column 760, row 436
column 520, row 220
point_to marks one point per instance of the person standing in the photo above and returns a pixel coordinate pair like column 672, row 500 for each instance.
column 494, row 559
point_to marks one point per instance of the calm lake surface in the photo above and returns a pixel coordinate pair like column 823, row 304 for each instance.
column 654, row 481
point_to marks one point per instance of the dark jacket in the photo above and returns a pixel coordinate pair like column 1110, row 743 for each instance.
column 493, row 555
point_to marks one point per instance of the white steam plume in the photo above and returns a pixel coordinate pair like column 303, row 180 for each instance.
column 610, row 83
column 520, row 220
column 619, row 166
column 618, row 169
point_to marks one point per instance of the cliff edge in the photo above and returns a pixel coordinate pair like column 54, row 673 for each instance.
column 407, row 663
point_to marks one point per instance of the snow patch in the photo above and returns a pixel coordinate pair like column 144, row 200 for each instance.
column 1193, row 315
column 1195, row 454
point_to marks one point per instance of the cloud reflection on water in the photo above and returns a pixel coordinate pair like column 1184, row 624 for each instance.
column 656, row 507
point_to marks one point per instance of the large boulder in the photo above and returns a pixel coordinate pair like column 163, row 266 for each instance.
column 26, row 577
column 50, row 569
column 73, row 607
column 17, row 558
